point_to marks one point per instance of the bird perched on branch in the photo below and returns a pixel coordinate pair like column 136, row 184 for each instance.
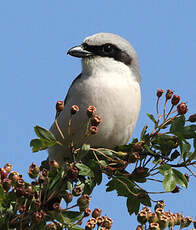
column 110, row 81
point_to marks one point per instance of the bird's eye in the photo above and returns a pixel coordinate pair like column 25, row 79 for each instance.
column 107, row 48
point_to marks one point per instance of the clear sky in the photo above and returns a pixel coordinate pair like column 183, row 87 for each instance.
column 35, row 71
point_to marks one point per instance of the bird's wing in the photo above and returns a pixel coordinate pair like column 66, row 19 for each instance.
column 73, row 82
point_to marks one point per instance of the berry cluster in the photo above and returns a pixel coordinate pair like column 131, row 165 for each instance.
column 159, row 219
column 38, row 204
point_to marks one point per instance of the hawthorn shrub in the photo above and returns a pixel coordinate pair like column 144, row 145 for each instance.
column 159, row 156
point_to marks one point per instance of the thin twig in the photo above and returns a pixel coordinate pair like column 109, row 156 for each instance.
column 57, row 125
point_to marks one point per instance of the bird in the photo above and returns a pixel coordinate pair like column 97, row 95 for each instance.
column 110, row 81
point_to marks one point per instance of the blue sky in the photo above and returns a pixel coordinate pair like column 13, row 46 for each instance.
column 36, row 72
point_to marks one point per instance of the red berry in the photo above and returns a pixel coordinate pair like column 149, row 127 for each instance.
column 182, row 108
column 93, row 130
column 3, row 173
column 59, row 106
column 74, row 109
column 91, row 111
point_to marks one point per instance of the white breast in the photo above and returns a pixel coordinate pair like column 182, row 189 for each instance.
column 116, row 96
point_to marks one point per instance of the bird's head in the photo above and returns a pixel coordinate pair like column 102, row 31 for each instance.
column 107, row 51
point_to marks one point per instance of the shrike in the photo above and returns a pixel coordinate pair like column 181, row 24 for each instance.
column 110, row 81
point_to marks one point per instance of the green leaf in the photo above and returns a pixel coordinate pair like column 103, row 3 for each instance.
column 2, row 194
column 143, row 133
column 71, row 216
column 189, row 132
column 133, row 205
column 44, row 134
column 184, row 148
column 192, row 156
column 89, row 186
column 105, row 151
column 169, row 182
column 172, row 177
column 38, row 145
column 66, row 217
column 122, row 185
column 74, row 227
column 94, row 165
column 163, row 169
column 83, row 152
column 84, row 170
column 177, row 125
column 145, row 201
column 151, row 117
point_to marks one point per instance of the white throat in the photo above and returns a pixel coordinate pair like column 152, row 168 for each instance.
column 104, row 66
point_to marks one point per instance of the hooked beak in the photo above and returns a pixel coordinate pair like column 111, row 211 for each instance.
column 79, row 51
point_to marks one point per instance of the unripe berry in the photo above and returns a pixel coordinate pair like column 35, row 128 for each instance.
column 8, row 167
column 72, row 173
column 96, row 212
column 37, row 216
column 100, row 220
column 154, row 226
column 142, row 217
column 107, row 222
column 169, row 94
column 87, row 212
column 175, row 100
column 51, row 226
column 83, row 202
column 96, row 120
column 160, row 92
column 77, row 191
column 33, row 171
column 59, row 106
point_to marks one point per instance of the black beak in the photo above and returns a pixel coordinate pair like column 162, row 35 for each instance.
column 79, row 51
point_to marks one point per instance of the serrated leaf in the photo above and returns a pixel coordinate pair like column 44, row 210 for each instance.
column 146, row 201
column 89, row 186
column 122, row 185
column 44, row 134
column 184, row 148
column 83, row 152
column 177, row 125
column 94, row 165
column 38, row 145
column 133, row 205
column 84, row 170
